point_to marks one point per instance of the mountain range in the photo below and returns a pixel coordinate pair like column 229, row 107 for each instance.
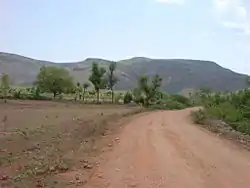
column 178, row 74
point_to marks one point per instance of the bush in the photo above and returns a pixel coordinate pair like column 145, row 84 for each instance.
column 232, row 108
column 181, row 99
column 225, row 111
column 128, row 97
column 174, row 102
column 199, row 116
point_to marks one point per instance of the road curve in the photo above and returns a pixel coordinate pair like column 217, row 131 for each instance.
column 164, row 149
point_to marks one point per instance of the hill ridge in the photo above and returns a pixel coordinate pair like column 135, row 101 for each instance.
column 177, row 74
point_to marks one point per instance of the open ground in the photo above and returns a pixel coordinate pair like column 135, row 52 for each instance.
column 41, row 140
column 49, row 144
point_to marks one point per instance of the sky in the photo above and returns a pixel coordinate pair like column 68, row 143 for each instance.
column 73, row 30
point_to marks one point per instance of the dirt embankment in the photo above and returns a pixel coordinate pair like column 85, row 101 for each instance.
column 164, row 149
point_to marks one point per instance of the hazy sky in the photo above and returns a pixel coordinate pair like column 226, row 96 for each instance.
column 72, row 30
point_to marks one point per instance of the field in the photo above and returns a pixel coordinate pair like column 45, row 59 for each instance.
column 54, row 144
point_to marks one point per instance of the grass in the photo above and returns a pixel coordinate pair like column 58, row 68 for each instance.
column 44, row 139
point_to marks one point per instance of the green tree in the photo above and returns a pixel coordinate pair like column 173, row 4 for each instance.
column 97, row 79
column 85, row 87
column 149, row 90
column 54, row 79
column 128, row 97
column 5, row 84
column 112, row 79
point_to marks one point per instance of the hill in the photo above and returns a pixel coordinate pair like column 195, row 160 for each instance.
column 177, row 74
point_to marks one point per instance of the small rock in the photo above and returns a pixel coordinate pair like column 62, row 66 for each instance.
column 133, row 184
column 3, row 150
column 52, row 169
column 84, row 161
column 80, row 182
column 39, row 183
column 4, row 177
column 87, row 166
column 77, row 177
column 117, row 139
column 63, row 167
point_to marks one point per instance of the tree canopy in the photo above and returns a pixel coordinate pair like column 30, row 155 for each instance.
column 149, row 90
column 112, row 79
column 97, row 78
column 54, row 79
column 5, row 84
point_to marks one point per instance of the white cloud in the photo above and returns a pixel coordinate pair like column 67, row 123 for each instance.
column 171, row 1
column 233, row 14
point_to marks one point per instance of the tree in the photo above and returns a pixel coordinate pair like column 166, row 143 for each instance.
column 5, row 84
column 97, row 79
column 112, row 79
column 149, row 90
column 128, row 97
column 54, row 79
column 85, row 87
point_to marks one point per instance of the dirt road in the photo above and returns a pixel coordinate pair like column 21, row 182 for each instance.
column 164, row 149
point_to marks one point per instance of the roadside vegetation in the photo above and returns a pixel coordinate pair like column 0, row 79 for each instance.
column 233, row 108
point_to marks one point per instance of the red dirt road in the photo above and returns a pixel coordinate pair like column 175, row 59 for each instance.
column 164, row 149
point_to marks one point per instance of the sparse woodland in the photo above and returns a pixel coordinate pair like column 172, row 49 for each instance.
column 57, row 83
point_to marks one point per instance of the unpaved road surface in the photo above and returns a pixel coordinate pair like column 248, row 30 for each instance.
column 164, row 149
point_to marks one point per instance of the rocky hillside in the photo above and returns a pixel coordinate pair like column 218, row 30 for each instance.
column 177, row 74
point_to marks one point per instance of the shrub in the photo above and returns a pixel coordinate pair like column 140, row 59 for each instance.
column 17, row 94
column 181, row 99
column 128, row 97
column 232, row 108
column 199, row 116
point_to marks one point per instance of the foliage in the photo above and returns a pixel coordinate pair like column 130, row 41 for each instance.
column 233, row 108
column 181, row 99
column 5, row 84
column 97, row 78
column 112, row 79
column 128, row 97
column 199, row 116
column 137, row 96
column 85, row 87
column 148, row 91
column 54, row 79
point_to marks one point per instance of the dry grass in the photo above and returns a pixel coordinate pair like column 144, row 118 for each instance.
column 42, row 140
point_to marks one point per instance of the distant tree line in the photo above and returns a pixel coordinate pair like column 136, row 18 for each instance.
column 59, row 81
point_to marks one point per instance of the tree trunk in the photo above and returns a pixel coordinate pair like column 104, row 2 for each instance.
column 97, row 95
column 112, row 95
column 54, row 95
column 83, row 95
